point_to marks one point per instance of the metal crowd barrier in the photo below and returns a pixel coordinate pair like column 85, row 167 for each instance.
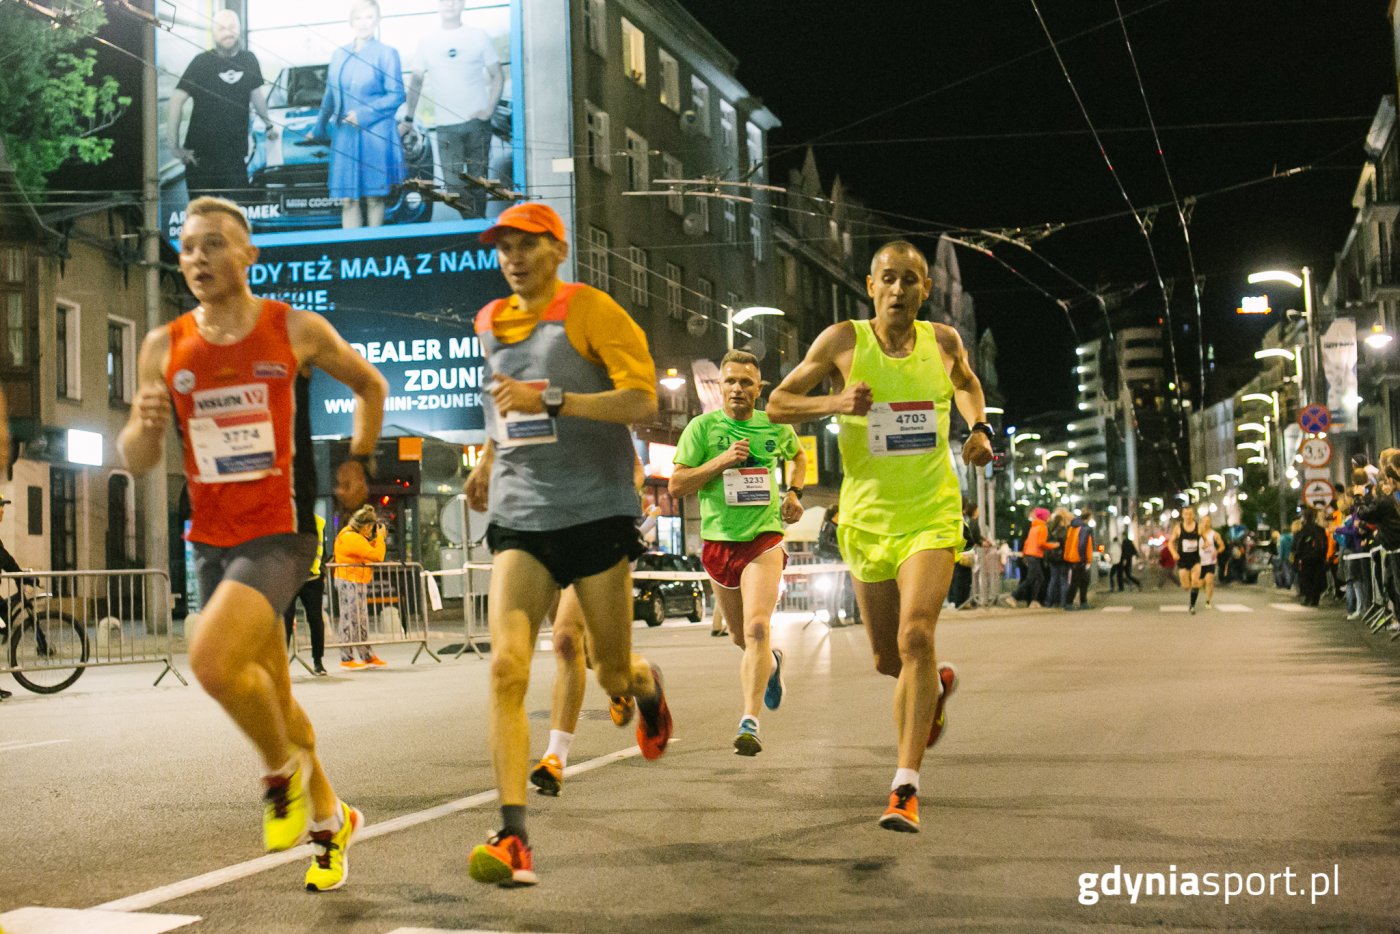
column 1379, row 568
column 59, row 623
column 396, row 606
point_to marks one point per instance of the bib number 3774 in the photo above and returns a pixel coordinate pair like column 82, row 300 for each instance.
column 902, row 428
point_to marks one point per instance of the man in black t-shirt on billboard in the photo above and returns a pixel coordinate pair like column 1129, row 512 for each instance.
column 222, row 82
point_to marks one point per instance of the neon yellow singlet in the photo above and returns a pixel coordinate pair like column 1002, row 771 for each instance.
column 896, row 494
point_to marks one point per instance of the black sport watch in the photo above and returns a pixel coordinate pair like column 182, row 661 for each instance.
column 553, row 399
column 986, row 429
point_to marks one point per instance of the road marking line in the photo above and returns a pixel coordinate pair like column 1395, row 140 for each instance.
column 1117, row 609
column 22, row 744
column 1234, row 608
column 1174, row 608
column 1289, row 607
column 252, row 867
column 446, row 931
column 35, row 920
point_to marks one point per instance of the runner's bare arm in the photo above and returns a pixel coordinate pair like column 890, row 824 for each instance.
column 687, row 480
column 792, row 506
column 967, row 394
column 618, row 406
column 318, row 344
column 478, row 484
column 828, row 357
column 142, row 440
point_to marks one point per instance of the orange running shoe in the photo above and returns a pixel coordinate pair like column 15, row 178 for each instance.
column 654, row 732
column 374, row 661
column 621, row 709
column 503, row 860
column 353, row 664
column 948, row 675
column 548, row 776
column 903, row 813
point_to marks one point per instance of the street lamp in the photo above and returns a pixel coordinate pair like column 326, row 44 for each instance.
column 1268, row 352
column 1304, row 283
column 1379, row 337
column 1277, row 275
column 732, row 317
column 1252, row 426
column 673, row 380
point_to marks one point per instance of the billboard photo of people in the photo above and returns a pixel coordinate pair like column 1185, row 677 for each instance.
column 340, row 119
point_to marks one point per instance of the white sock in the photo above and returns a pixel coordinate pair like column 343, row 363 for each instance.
column 559, row 743
column 753, row 720
column 905, row 777
column 287, row 770
column 332, row 823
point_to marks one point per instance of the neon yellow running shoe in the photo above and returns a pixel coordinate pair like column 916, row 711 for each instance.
column 286, row 811
column 330, row 867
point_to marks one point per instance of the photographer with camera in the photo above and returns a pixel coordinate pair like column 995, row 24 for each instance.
column 359, row 544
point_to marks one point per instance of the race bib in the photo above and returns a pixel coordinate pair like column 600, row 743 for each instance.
column 902, row 428
column 748, row 486
column 233, row 448
column 517, row 428
column 1189, row 545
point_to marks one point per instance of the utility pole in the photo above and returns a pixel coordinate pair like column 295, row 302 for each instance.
column 157, row 481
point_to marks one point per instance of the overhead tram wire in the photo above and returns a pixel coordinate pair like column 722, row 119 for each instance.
column 1016, row 60
column 1142, row 228
column 1180, row 215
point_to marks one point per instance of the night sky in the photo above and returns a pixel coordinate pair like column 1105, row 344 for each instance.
column 986, row 70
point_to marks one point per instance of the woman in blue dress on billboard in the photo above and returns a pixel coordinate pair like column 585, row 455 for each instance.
column 364, row 90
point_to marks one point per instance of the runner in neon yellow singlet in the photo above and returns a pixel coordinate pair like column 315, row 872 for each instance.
column 900, row 503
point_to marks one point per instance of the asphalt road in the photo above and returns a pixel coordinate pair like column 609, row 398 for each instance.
column 1124, row 740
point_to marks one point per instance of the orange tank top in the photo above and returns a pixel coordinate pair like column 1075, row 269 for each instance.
column 235, row 406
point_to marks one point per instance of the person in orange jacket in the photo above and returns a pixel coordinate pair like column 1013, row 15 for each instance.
column 358, row 545
column 1033, row 555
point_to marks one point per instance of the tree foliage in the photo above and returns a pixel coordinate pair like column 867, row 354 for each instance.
column 55, row 106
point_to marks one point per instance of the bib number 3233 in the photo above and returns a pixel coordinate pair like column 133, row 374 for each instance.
column 748, row 486
column 902, row 428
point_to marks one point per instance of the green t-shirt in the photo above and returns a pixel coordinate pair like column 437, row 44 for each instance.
column 709, row 435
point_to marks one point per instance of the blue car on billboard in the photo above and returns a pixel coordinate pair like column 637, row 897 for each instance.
column 289, row 175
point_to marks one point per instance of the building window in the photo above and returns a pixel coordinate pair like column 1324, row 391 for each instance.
column 634, row 53
column 15, row 329
column 599, row 148
column 702, row 211
column 755, row 151
column 121, row 521
column 67, row 341
column 675, row 298
column 638, row 175
column 637, row 275
column 756, row 232
column 670, row 80
column 706, row 288
column 700, row 104
column 63, row 510
column 789, row 272
column 595, row 267
column 734, row 303
column 120, row 360
column 729, row 131
column 675, row 201
column 731, row 222
column 595, row 22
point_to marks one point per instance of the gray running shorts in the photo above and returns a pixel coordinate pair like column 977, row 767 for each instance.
column 274, row 565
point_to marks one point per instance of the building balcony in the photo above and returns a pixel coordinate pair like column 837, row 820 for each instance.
column 1382, row 201
column 1383, row 275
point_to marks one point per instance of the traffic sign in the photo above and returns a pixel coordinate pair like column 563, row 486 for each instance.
column 1316, row 452
column 1318, row 493
column 1315, row 418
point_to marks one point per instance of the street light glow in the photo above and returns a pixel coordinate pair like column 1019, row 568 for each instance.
column 1378, row 337
column 994, row 410
column 1257, row 397
column 1275, row 275
column 1257, row 446
column 1028, row 436
column 1252, row 426
column 1268, row 352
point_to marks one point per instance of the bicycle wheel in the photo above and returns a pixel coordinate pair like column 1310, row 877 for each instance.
column 52, row 648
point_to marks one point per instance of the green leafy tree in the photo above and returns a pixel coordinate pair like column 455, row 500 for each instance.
column 55, row 105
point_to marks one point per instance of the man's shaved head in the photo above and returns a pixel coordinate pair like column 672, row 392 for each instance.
column 902, row 247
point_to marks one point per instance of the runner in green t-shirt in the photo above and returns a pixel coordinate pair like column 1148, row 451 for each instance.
column 730, row 457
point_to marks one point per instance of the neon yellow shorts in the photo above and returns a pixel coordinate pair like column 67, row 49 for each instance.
column 873, row 557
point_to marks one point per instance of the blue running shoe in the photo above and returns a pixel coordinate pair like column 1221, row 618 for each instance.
column 773, row 695
column 747, row 742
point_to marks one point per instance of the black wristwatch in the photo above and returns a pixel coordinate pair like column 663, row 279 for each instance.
column 796, row 491
column 986, row 429
column 553, row 399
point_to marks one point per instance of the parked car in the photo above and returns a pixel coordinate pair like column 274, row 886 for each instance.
column 654, row 601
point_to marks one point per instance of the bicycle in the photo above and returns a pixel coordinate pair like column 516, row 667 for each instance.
column 48, row 647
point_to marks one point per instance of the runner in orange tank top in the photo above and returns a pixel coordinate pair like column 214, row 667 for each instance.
column 232, row 372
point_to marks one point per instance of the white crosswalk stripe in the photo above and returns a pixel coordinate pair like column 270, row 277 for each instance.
column 1234, row 608
column 35, row 920
column 1117, row 609
column 1289, row 607
column 1173, row 608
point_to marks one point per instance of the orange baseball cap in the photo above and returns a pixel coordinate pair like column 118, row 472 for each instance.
column 529, row 216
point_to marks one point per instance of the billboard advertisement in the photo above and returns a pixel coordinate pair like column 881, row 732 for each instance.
column 327, row 119
column 323, row 119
